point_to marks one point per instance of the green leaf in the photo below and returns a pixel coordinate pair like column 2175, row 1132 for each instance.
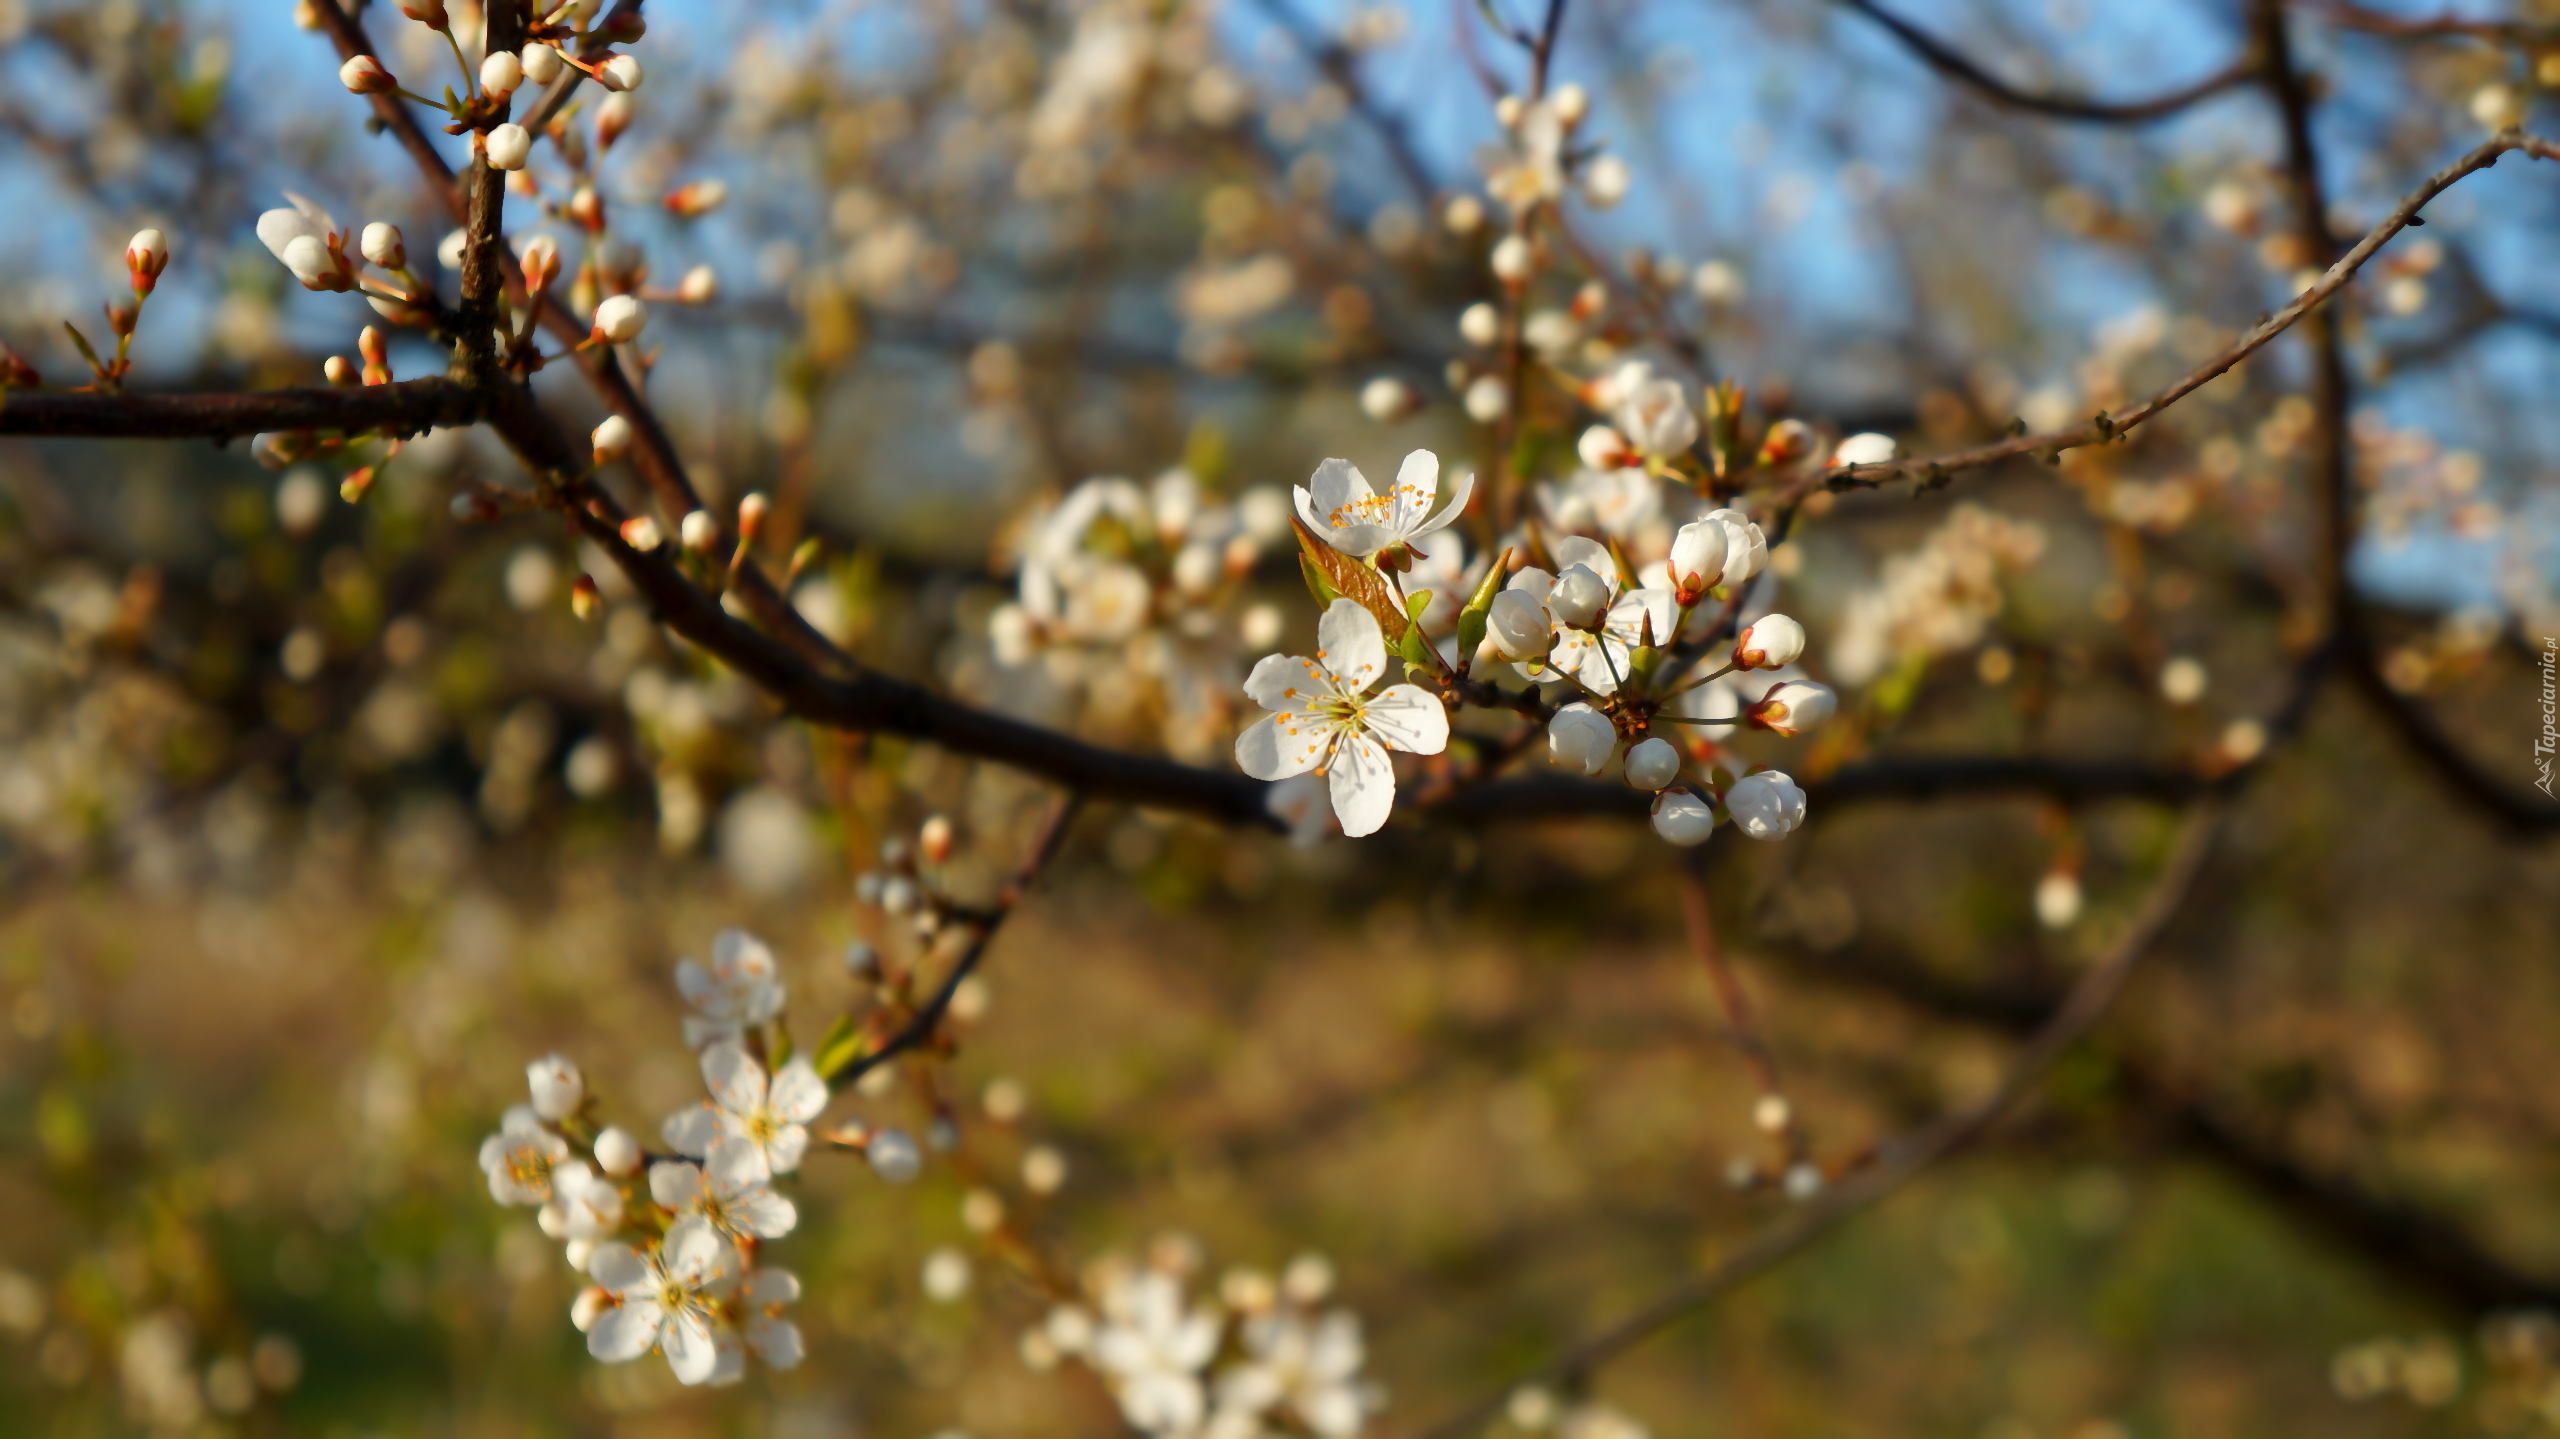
column 1471, row 620
column 1415, row 604
column 1324, row 595
column 838, row 1050
column 778, row 1044
column 82, row 341
column 1346, row 578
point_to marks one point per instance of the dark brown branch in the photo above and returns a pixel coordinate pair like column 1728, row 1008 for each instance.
column 1953, row 63
column 1899, row 1164
column 2373, row 22
column 405, row 408
column 927, row 1021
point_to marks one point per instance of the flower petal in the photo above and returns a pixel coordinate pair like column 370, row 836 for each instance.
column 763, row 1213
column 690, row 1130
column 776, row 1341
column 691, row 1351
column 1417, row 484
column 1364, row 785
column 618, row 1267
column 1278, row 746
column 770, row 1286
column 1339, row 489
column 1459, row 494
column 1409, row 718
column 736, row 1080
column 1286, row 682
column 736, row 1165
column 626, row 1331
column 693, row 1251
column 1349, row 644
column 798, row 1094
column 1590, row 553
column 675, row 1186
column 784, row 1149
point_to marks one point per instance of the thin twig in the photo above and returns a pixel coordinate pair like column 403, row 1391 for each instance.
column 1899, row 1163
column 1953, row 63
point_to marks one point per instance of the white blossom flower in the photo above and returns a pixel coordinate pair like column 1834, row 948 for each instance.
column 1532, row 170
column 1767, row 805
column 1338, row 504
column 1150, row 1349
column 1487, row 399
column 670, row 1299
column 733, row 1190
column 739, row 991
column 1653, row 763
column 582, row 1205
column 1387, row 398
column 1602, row 448
column 518, row 1158
column 1580, row 737
column 773, row 1117
column 756, row 1324
column 1513, row 261
column 1864, row 449
column 1791, row 707
column 1617, row 502
column 1599, row 658
column 509, row 146
column 1324, row 719
column 619, row 318
column 1310, row 1367
column 557, row 1087
column 1768, row 643
column 1519, row 626
column 1480, row 324
column 894, row 1156
column 1746, row 548
column 1581, row 596
column 1655, row 417
column 309, row 243
column 617, row 1152
column 1698, row 554
column 1607, row 182
column 1682, row 817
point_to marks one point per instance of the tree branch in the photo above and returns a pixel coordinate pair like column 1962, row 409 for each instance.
column 1952, row 63
column 401, row 409
column 1935, row 470
column 1900, row 1163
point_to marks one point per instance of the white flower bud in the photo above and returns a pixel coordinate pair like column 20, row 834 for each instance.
column 147, row 253
column 1464, row 214
column 1607, row 182
column 612, row 439
column 898, row 895
column 622, row 72
column 588, row 1307
column 1683, row 818
column 540, row 62
column 1487, row 399
column 617, row 1152
column 1519, row 627
column 1570, row 102
column 553, row 1220
column 509, row 145
column 700, row 286
column 1387, row 399
column 1602, row 448
column 578, row 1252
column 620, row 318
column 641, row 533
column 501, row 73
column 1792, row 707
column 1580, row 737
column 1698, row 559
column 1656, row 418
column 861, row 960
column 1803, row 1182
column 698, row 530
column 1513, row 261
column 1480, row 324
column 1767, row 643
column 1653, row 763
column 894, row 1157
column 1767, row 805
column 1869, row 448
column 2058, row 899
column 364, row 75
column 309, row 261
column 449, row 249
column 557, row 1086
column 383, row 246
column 1747, row 549
column 1580, row 597
column 1508, row 110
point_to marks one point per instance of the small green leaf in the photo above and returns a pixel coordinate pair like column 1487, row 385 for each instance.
column 82, row 341
column 778, row 1044
column 1415, row 604
column 838, row 1050
column 1316, row 585
column 1471, row 620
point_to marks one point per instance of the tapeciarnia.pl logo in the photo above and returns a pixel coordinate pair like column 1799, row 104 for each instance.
column 2549, row 740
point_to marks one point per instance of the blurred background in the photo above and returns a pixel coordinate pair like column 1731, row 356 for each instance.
column 318, row 820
